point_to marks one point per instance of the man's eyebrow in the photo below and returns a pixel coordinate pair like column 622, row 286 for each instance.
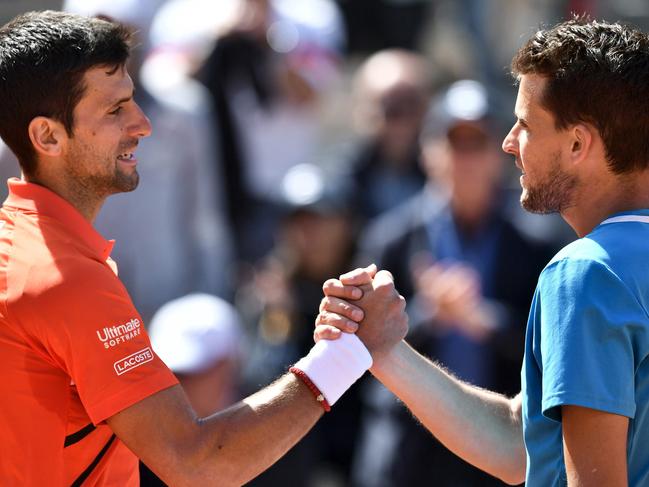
column 122, row 100
column 113, row 69
column 520, row 119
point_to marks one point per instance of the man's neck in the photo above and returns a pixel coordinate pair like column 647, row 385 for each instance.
column 86, row 203
column 601, row 199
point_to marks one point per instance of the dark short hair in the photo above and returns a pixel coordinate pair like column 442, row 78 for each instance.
column 597, row 73
column 43, row 58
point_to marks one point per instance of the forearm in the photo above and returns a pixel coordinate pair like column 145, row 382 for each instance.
column 482, row 427
column 241, row 442
column 226, row 449
column 271, row 421
column 233, row 446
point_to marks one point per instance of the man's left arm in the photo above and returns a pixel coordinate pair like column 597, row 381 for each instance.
column 594, row 444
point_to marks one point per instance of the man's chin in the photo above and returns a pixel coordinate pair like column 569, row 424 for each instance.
column 553, row 195
column 126, row 183
column 532, row 205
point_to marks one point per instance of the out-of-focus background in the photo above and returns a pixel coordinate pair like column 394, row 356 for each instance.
column 296, row 139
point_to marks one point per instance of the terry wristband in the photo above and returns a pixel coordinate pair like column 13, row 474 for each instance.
column 332, row 366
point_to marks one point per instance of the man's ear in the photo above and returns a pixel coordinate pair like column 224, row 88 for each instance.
column 582, row 136
column 47, row 136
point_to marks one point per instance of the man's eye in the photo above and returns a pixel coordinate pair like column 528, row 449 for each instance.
column 115, row 111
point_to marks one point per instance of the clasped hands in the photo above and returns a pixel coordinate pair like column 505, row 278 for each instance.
column 363, row 301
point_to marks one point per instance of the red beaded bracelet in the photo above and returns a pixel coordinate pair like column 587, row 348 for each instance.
column 316, row 392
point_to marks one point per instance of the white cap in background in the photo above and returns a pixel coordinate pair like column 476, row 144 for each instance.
column 463, row 102
column 194, row 332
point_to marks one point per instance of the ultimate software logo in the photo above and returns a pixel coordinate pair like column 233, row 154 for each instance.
column 114, row 335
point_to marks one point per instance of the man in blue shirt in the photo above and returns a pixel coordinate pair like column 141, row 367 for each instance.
column 580, row 140
column 587, row 341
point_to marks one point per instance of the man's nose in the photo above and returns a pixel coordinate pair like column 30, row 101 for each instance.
column 141, row 126
column 510, row 145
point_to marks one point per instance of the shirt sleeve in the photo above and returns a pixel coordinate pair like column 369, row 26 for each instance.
column 587, row 318
column 96, row 335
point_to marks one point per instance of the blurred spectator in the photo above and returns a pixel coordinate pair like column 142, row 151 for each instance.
column 391, row 90
column 468, row 274
column 266, row 73
column 473, row 39
column 172, row 234
column 380, row 24
column 315, row 241
column 199, row 337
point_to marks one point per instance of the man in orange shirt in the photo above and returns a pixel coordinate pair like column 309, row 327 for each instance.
column 81, row 390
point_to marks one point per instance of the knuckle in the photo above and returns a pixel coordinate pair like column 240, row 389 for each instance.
column 349, row 290
column 328, row 284
column 339, row 319
column 382, row 289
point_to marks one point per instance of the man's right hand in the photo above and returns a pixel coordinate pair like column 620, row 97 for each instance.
column 384, row 322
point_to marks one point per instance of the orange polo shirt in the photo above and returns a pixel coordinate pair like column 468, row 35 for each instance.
column 73, row 349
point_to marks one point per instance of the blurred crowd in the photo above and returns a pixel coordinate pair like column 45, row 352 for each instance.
column 296, row 139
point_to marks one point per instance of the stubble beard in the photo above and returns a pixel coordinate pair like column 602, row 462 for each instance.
column 125, row 183
column 100, row 184
column 552, row 195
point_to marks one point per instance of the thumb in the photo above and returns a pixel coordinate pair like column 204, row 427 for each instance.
column 360, row 276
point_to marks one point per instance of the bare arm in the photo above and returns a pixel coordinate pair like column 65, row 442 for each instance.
column 482, row 427
column 227, row 448
column 594, row 445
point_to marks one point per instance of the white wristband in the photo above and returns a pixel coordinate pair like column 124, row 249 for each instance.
column 334, row 365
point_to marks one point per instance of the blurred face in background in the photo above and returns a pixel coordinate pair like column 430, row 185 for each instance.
column 467, row 163
column 214, row 388
column 320, row 243
column 391, row 89
column 399, row 115
column 252, row 18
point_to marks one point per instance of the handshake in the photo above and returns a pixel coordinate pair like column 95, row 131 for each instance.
column 365, row 302
column 361, row 320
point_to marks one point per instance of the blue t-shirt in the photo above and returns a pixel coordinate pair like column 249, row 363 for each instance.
column 587, row 344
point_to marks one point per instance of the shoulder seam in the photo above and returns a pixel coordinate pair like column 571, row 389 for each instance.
column 608, row 270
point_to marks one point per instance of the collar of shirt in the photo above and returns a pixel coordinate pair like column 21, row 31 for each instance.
column 640, row 215
column 33, row 197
